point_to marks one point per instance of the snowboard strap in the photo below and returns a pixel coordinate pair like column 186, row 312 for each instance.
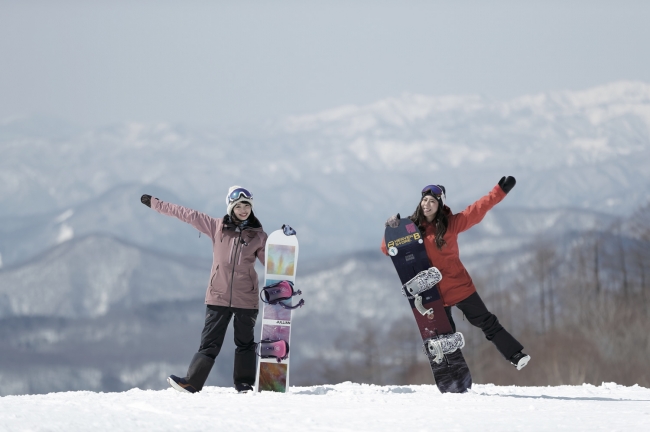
column 279, row 292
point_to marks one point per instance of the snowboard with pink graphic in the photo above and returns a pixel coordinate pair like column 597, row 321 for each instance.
column 281, row 263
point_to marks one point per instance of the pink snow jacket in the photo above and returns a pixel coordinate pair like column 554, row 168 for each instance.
column 233, row 279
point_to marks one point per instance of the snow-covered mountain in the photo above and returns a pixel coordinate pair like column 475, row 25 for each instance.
column 88, row 276
column 348, row 167
column 117, row 213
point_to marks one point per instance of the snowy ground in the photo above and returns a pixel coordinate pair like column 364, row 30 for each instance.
column 342, row 407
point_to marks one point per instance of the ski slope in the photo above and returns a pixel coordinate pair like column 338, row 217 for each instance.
column 341, row 407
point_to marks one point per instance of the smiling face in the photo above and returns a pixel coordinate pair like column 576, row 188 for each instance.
column 429, row 207
column 242, row 210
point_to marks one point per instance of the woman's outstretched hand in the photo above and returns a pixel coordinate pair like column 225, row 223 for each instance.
column 146, row 200
column 507, row 183
column 393, row 221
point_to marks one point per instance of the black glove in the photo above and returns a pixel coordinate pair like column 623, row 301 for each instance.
column 507, row 183
column 146, row 200
column 393, row 221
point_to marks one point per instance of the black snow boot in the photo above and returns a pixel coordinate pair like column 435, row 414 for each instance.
column 180, row 384
column 197, row 374
column 243, row 387
column 519, row 360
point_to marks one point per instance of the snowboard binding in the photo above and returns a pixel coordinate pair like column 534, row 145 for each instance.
column 436, row 347
column 273, row 348
column 279, row 292
column 422, row 281
column 287, row 230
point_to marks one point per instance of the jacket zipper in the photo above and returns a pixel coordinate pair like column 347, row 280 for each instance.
column 232, row 248
column 241, row 251
column 232, row 276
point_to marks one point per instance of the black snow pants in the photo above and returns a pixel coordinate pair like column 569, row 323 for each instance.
column 217, row 319
column 477, row 314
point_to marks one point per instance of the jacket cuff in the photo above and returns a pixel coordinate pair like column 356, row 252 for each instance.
column 500, row 193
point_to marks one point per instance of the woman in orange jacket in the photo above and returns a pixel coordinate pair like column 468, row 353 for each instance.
column 440, row 229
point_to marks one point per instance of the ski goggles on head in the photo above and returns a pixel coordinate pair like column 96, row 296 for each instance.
column 434, row 190
column 237, row 193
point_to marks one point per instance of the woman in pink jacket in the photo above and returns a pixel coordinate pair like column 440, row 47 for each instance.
column 237, row 241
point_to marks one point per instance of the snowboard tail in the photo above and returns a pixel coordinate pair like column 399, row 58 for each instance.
column 452, row 375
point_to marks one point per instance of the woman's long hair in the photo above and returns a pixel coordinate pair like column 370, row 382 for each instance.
column 440, row 222
column 251, row 221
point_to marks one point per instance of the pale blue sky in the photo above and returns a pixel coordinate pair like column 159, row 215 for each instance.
column 226, row 63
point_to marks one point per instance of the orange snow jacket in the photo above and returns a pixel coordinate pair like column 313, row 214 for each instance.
column 456, row 283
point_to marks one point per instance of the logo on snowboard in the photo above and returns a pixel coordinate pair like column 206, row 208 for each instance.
column 404, row 240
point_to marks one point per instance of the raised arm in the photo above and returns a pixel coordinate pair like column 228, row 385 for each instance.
column 476, row 212
column 201, row 221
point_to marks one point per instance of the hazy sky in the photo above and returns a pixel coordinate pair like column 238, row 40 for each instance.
column 220, row 63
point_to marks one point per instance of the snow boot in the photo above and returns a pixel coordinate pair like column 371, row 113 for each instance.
column 180, row 384
column 197, row 374
column 243, row 387
column 519, row 360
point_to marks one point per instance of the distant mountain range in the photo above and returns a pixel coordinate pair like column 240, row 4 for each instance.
column 332, row 175
column 99, row 292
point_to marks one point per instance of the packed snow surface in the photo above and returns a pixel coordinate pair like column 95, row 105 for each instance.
column 341, row 407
